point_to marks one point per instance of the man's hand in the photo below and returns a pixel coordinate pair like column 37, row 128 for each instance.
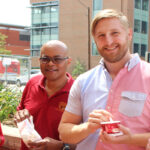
column 96, row 117
column 46, row 144
column 21, row 115
column 122, row 139
column 148, row 145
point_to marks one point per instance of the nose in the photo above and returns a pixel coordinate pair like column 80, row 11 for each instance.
column 51, row 62
column 108, row 40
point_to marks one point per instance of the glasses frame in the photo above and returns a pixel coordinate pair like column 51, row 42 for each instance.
column 61, row 59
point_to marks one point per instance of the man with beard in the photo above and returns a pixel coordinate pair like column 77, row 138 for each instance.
column 118, row 88
column 45, row 96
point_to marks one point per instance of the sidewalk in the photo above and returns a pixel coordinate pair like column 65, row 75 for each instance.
column 12, row 138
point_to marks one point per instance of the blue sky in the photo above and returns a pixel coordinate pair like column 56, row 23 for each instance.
column 15, row 12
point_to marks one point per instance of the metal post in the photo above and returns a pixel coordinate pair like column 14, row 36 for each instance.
column 89, row 39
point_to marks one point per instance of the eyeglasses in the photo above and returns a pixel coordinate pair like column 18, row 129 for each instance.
column 55, row 60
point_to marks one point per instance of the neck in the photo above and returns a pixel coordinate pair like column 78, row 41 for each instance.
column 114, row 68
column 54, row 86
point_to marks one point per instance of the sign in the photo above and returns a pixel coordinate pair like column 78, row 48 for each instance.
column 6, row 61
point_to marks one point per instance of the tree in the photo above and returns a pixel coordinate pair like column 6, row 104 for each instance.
column 79, row 68
column 3, row 45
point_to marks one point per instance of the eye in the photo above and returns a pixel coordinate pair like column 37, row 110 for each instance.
column 101, row 35
column 45, row 59
column 115, row 33
column 58, row 59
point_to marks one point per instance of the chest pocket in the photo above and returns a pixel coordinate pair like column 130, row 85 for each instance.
column 132, row 103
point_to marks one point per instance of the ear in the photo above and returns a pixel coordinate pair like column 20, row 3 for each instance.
column 69, row 60
column 130, row 34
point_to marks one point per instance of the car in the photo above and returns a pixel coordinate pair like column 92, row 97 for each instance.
column 25, row 76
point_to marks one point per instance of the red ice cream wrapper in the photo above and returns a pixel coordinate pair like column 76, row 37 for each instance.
column 111, row 127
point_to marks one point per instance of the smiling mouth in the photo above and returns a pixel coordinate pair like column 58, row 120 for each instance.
column 112, row 48
column 51, row 70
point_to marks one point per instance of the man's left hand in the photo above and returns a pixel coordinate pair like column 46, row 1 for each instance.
column 46, row 144
column 122, row 139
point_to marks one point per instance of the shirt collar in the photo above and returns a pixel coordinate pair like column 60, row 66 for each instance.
column 133, row 61
column 66, row 88
column 130, row 64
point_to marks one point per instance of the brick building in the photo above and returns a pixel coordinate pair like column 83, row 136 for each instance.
column 69, row 21
column 18, row 40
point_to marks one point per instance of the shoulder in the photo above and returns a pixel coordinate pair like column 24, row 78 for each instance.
column 145, row 66
column 89, row 77
column 35, row 80
column 91, row 73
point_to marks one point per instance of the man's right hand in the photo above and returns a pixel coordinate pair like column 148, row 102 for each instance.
column 21, row 115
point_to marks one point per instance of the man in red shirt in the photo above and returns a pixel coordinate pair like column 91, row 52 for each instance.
column 1, row 136
column 45, row 96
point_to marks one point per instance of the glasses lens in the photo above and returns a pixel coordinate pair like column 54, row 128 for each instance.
column 45, row 59
column 55, row 60
column 58, row 60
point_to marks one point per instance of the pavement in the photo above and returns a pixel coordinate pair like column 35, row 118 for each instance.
column 12, row 138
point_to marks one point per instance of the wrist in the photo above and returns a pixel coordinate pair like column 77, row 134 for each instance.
column 66, row 147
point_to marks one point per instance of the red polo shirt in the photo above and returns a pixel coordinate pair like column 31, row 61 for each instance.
column 1, row 136
column 46, row 111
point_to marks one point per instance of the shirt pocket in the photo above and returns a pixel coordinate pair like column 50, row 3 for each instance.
column 132, row 103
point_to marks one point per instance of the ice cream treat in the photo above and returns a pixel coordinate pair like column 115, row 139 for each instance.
column 111, row 127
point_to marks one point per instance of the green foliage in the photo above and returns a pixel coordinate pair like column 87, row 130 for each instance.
column 6, row 52
column 2, row 45
column 9, row 100
column 79, row 68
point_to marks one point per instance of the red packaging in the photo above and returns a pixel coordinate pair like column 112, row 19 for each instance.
column 111, row 127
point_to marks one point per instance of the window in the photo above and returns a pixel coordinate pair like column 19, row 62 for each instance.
column 94, row 49
column 97, row 4
column 46, row 10
column 136, row 48
column 35, row 52
column 138, row 4
column 137, row 25
column 36, row 32
column 145, row 5
column 143, row 50
column 46, row 31
column 144, row 27
column 45, row 16
column 36, row 10
column 24, row 37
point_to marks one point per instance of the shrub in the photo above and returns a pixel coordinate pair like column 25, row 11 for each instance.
column 9, row 100
column 79, row 68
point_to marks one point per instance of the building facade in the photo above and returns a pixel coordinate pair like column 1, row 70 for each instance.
column 69, row 21
column 18, row 39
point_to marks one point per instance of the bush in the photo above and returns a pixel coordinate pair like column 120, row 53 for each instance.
column 9, row 100
column 79, row 68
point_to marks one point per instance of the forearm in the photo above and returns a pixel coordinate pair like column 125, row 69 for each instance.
column 139, row 139
column 73, row 134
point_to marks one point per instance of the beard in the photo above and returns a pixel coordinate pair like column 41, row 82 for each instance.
column 120, row 51
column 116, row 57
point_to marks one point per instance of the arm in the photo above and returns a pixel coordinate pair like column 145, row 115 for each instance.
column 70, row 126
column 46, row 144
column 140, row 139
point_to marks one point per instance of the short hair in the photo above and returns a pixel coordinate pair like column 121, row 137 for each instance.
column 108, row 13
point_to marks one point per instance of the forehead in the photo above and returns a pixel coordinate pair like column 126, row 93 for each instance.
column 53, row 50
column 108, row 24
